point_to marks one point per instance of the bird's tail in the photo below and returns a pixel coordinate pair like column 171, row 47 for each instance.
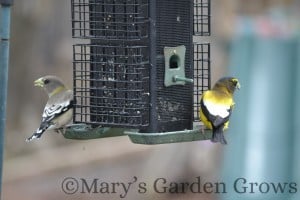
column 218, row 135
column 38, row 133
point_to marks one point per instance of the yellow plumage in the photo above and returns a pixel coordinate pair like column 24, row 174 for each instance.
column 216, row 106
column 216, row 98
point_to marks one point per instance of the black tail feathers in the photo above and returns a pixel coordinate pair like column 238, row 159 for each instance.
column 34, row 136
column 39, row 132
column 218, row 135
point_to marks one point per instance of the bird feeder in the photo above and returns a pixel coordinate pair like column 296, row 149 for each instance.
column 137, row 71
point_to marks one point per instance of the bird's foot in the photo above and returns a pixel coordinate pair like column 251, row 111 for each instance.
column 60, row 130
column 202, row 130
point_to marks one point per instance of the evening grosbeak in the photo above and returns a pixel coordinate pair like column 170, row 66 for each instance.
column 216, row 106
column 58, row 110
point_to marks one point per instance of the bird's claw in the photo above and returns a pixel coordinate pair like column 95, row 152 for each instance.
column 202, row 130
column 60, row 130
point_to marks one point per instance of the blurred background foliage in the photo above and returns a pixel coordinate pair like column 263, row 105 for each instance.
column 41, row 44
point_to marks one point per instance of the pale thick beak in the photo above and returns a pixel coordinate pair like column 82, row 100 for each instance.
column 39, row 82
column 238, row 86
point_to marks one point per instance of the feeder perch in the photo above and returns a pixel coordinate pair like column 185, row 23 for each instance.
column 85, row 132
column 137, row 71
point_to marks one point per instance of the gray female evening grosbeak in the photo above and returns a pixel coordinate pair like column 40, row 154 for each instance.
column 58, row 110
column 216, row 107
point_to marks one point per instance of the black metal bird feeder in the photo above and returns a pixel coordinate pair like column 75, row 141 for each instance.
column 137, row 71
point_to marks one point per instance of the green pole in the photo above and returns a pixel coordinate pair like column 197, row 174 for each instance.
column 4, row 58
column 261, row 132
column 241, row 50
column 296, row 120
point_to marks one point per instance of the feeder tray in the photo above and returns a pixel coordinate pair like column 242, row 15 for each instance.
column 169, row 137
column 85, row 132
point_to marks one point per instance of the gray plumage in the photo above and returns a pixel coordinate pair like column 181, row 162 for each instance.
column 58, row 110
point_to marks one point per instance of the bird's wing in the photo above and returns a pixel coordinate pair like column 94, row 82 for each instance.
column 216, row 110
column 57, row 106
column 54, row 110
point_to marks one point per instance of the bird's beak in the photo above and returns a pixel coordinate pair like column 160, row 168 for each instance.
column 238, row 86
column 39, row 82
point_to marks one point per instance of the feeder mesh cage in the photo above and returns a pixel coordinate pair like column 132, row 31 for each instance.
column 113, row 62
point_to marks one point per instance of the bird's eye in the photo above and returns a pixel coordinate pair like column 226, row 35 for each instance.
column 46, row 81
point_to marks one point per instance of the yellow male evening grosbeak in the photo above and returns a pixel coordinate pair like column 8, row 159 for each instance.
column 216, row 107
column 58, row 110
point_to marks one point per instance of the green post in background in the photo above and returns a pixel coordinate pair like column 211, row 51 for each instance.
column 5, row 6
column 261, row 133
column 296, row 122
